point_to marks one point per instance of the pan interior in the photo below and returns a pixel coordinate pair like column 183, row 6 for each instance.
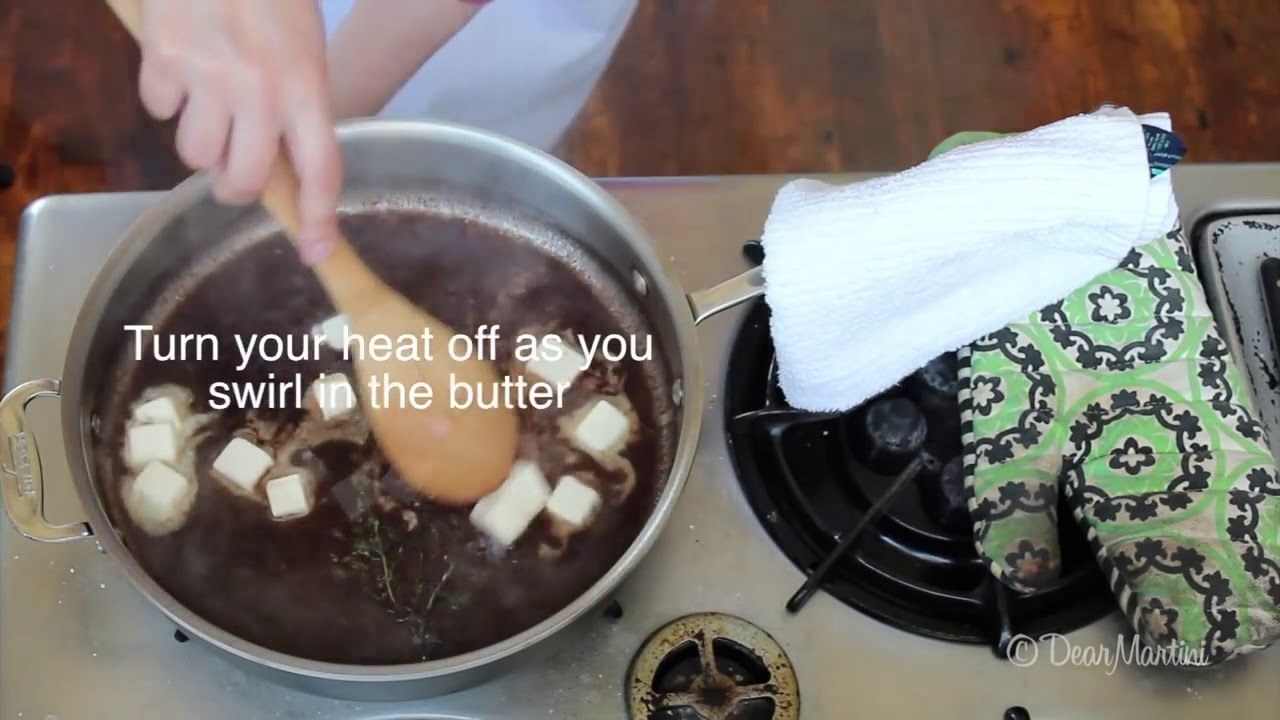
column 405, row 580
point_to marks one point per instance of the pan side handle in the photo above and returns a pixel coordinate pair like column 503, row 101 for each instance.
column 21, row 481
column 730, row 293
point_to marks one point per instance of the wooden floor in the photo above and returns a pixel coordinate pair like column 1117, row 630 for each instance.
column 729, row 86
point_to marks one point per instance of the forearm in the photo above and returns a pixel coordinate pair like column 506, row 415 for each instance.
column 382, row 43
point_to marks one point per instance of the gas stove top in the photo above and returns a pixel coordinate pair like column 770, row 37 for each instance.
column 915, row 642
column 908, row 555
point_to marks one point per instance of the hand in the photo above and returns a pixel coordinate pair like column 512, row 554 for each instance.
column 245, row 75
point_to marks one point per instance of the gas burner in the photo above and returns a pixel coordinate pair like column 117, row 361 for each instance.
column 711, row 666
column 871, row 506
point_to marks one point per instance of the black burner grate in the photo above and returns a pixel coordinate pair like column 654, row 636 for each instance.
column 810, row 478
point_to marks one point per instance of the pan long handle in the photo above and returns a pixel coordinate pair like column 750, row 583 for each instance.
column 21, row 479
column 730, row 293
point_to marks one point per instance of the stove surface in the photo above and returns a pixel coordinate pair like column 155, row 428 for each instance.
column 76, row 641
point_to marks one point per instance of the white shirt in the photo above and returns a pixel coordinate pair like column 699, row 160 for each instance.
column 522, row 68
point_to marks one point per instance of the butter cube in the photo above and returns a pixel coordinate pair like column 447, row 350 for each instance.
column 164, row 409
column 573, row 502
column 334, row 332
column 334, row 395
column 604, row 429
column 505, row 513
column 290, row 496
column 558, row 372
column 151, row 442
column 160, row 497
column 242, row 463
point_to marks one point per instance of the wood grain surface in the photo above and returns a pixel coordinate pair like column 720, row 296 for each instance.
column 726, row 86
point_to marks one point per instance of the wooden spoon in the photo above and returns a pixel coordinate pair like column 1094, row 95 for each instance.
column 451, row 455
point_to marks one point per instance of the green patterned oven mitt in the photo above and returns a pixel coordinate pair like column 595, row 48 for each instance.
column 1124, row 398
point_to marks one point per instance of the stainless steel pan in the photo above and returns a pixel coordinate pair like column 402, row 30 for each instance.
column 410, row 168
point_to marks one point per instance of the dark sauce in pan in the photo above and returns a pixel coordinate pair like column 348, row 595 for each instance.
column 407, row 580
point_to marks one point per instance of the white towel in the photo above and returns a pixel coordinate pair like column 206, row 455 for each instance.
column 869, row 281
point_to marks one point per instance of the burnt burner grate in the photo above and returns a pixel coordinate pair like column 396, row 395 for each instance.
column 811, row 478
column 711, row 666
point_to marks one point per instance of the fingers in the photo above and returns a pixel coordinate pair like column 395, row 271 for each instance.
column 246, row 76
column 318, row 161
column 183, row 72
column 204, row 127
column 162, row 82
column 254, row 142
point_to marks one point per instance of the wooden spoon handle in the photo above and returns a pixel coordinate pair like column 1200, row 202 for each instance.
column 348, row 281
